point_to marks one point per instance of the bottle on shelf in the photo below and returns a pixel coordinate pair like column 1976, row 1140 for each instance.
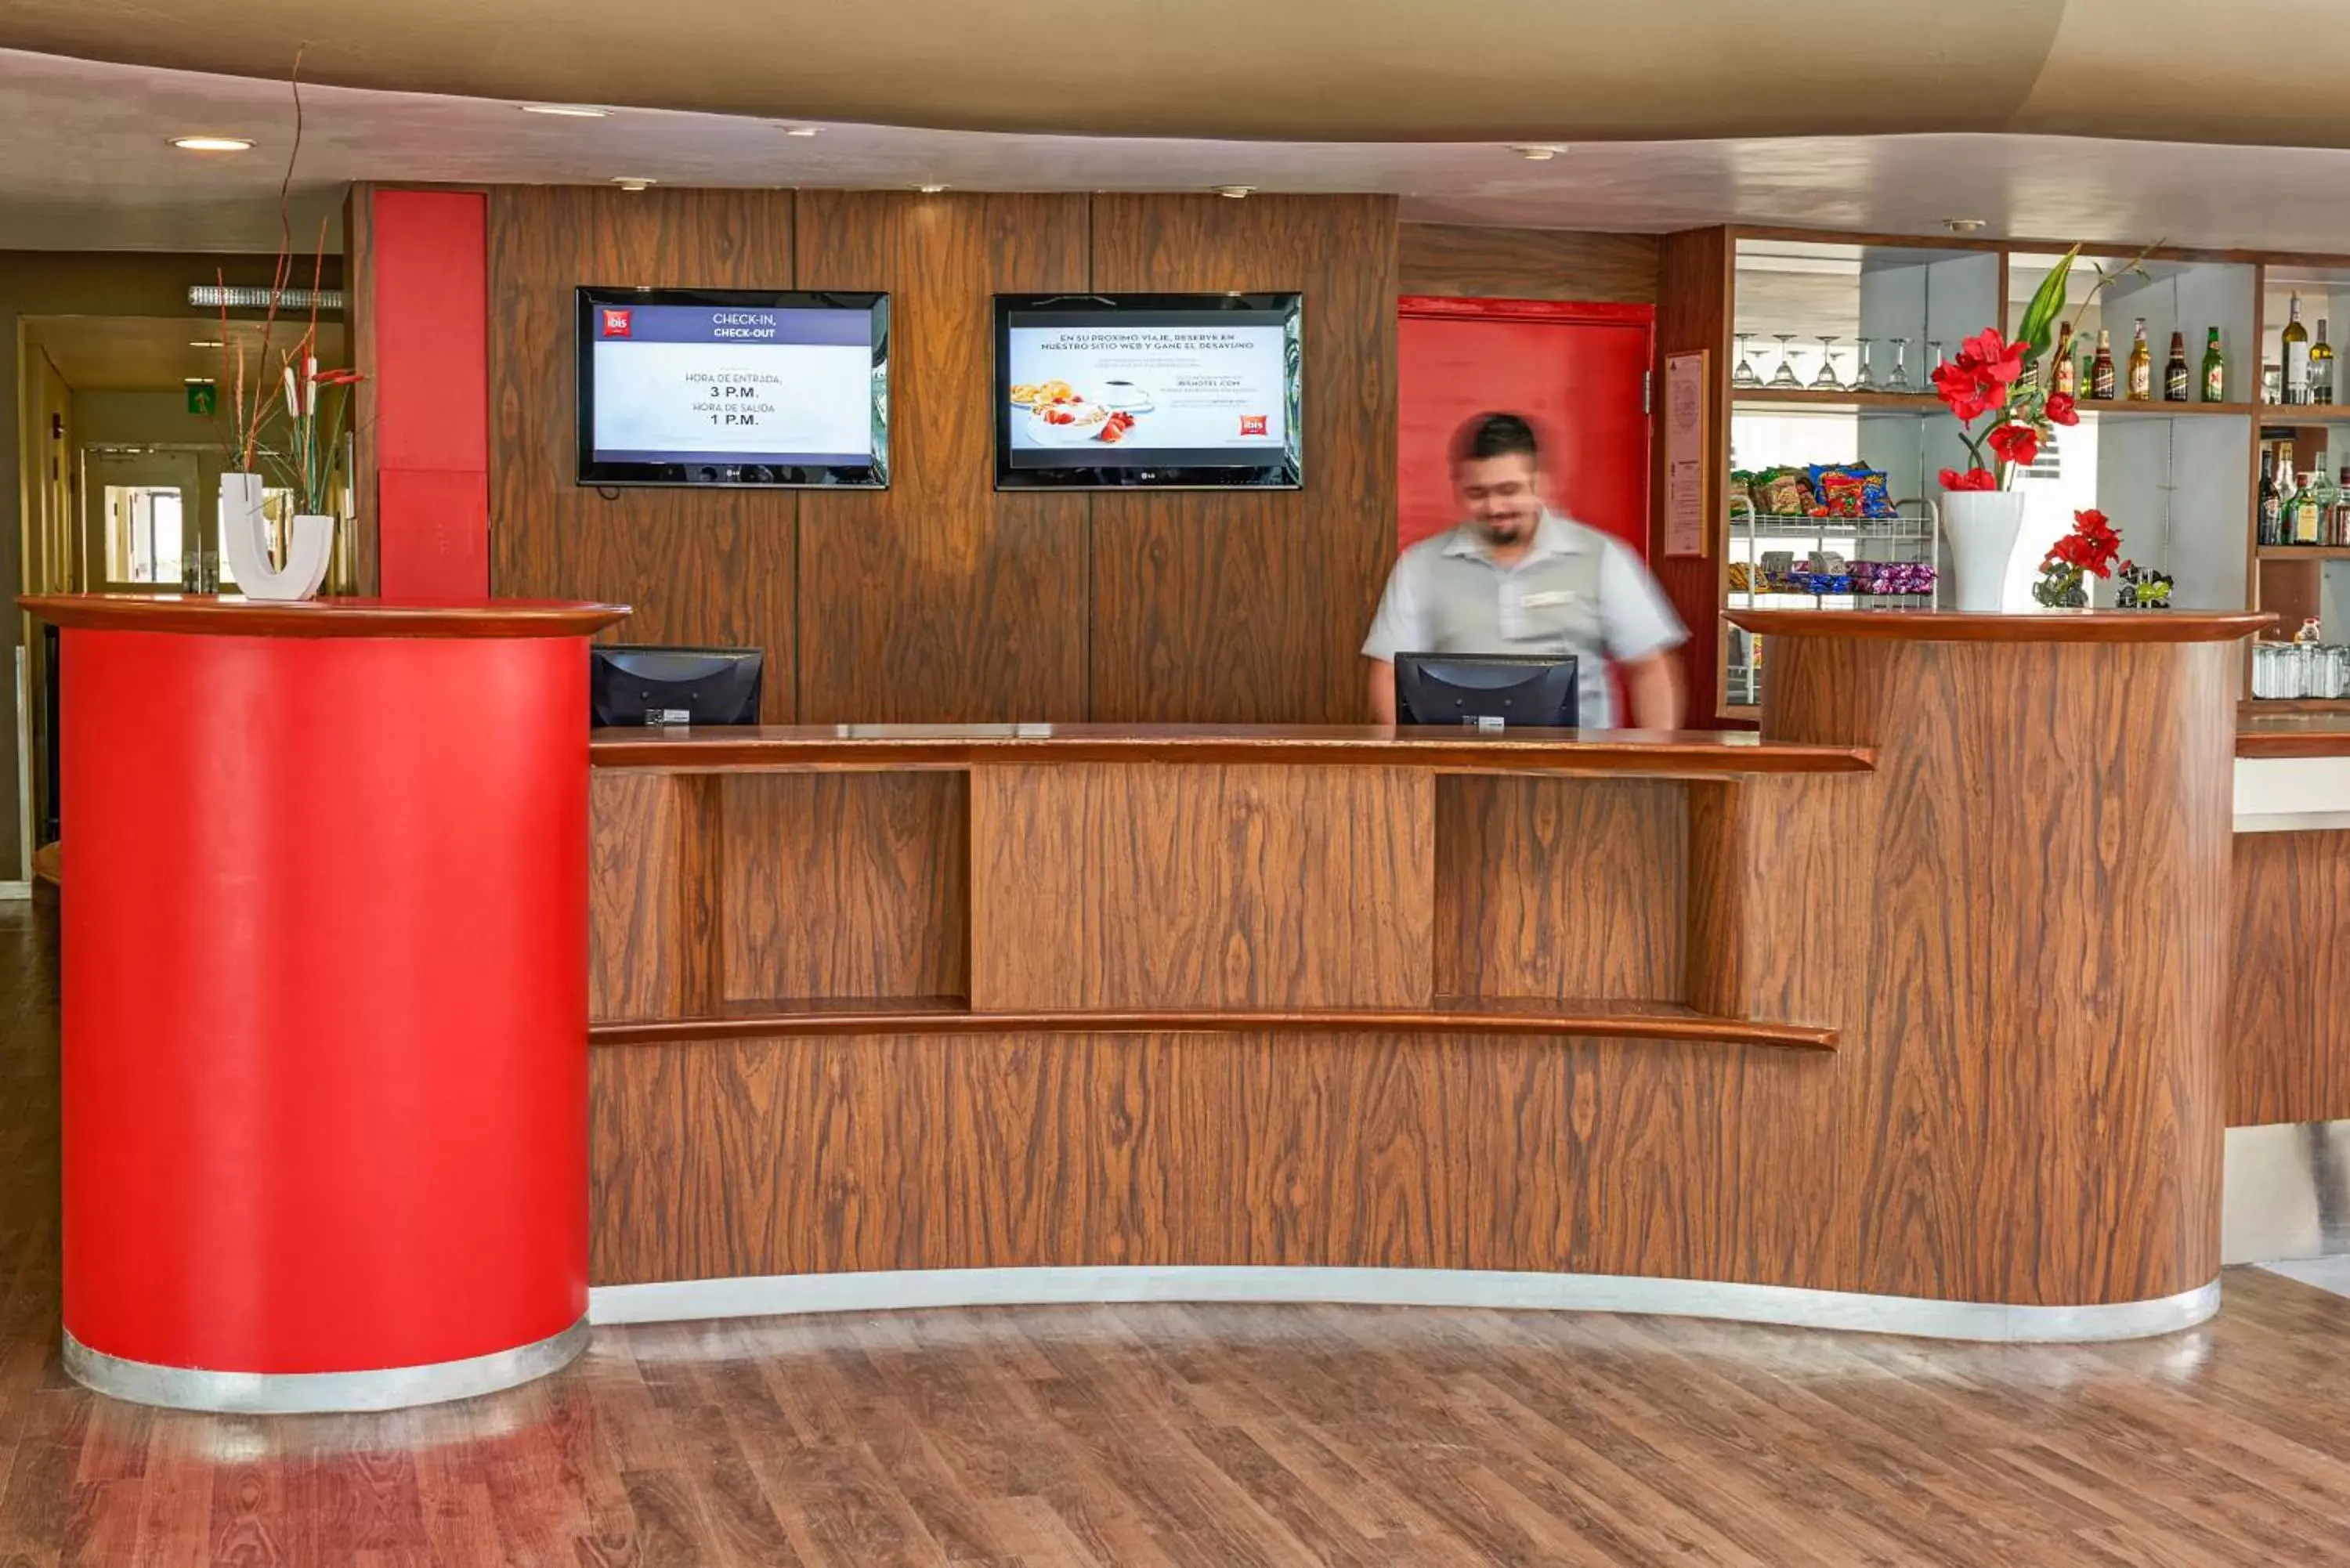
column 2321, row 366
column 2337, row 521
column 2319, row 497
column 2271, row 515
column 2215, row 369
column 2141, row 365
column 2068, row 381
column 2174, row 370
column 2101, row 373
column 2295, row 355
column 2306, row 527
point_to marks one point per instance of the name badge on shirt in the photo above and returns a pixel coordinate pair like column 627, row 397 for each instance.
column 1518, row 619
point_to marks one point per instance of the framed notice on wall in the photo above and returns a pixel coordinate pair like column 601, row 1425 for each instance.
column 1687, row 481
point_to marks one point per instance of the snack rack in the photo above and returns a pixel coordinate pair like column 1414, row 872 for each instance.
column 1907, row 537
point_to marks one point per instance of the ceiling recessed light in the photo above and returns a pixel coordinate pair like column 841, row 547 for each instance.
column 1537, row 154
column 569, row 111
column 930, row 190
column 211, row 144
column 1235, row 192
column 1963, row 225
column 630, row 181
column 800, row 130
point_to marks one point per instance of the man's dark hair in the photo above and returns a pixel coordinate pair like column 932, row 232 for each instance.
column 1496, row 435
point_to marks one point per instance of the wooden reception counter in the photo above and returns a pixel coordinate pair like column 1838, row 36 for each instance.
column 1904, row 1015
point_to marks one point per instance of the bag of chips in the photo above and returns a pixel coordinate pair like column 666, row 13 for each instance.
column 1850, row 490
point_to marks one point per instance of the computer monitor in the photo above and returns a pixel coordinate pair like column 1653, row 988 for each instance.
column 1535, row 691
column 636, row 685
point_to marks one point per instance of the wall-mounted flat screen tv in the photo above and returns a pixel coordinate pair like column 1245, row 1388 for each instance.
column 721, row 387
column 1175, row 390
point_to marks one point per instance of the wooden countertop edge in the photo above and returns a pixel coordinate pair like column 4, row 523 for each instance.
column 1663, row 759
column 884, row 1019
column 2037, row 626
column 208, row 616
column 2310, row 744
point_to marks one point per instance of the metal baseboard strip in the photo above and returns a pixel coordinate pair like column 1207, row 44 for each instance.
column 780, row 1294
column 313, row 1393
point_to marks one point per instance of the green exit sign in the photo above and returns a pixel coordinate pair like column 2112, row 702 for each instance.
column 203, row 397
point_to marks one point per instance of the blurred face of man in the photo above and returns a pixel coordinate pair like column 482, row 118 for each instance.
column 1501, row 496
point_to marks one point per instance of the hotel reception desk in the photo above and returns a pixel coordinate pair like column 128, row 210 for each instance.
column 1908, row 1014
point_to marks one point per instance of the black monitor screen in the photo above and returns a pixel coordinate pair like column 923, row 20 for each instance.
column 1138, row 390
column 1529, row 691
column 726, row 387
column 637, row 685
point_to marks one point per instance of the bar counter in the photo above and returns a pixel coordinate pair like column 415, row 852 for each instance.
column 1906, row 1015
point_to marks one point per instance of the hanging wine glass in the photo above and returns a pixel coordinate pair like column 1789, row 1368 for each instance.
column 1864, row 378
column 1933, row 355
column 1897, row 378
column 1784, row 376
column 1745, row 374
column 1827, row 381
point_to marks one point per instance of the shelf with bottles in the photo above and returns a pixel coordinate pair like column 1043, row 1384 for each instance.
column 2303, row 311
column 2194, row 321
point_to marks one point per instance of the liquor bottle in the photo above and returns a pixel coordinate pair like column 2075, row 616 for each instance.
column 2174, row 370
column 2272, row 530
column 2068, row 380
column 2215, row 371
column 2100, row 374
column 2306, row 529
column 2296, row 355
column 2141, row 365
column 2337, row 525
column 2318, row 497
column 2321, row 366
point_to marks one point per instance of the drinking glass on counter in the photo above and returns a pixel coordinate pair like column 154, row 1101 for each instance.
column 2286, row 670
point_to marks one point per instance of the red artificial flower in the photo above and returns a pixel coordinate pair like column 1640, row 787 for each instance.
column 2091, row 546
column 2015, row 443
column 2061, row 410
column 1972, row 478
column 1977, row 381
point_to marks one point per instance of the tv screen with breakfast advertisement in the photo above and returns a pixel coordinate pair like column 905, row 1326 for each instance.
column 716, row 387
column 1172, row 390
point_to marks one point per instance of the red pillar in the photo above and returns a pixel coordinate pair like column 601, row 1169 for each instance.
column 429, row 273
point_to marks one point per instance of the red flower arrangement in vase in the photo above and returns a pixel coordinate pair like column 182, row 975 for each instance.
column 2088, row 551
column 1990, row 384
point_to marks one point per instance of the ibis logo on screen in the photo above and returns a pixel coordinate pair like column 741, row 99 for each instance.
column 615, row 323
column 1252, row 424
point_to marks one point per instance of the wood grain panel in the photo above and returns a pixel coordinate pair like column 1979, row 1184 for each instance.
column 654, row 878
column 1251, row 607
column 938, row 598
column 1526, row 263
column 1103, row 885
column 1554, row 888
column 698, row 565
column 845, row 885
column 1693, row 284
column 2048, row 962
column 2288, row 1027
column 801, row 1155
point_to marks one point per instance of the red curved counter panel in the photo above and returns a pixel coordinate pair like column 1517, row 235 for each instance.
column 324, row 933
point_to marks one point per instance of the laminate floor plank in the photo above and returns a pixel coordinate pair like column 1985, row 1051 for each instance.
column 1191, row 1436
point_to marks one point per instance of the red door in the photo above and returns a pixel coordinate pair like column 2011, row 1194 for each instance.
column 1578, row 371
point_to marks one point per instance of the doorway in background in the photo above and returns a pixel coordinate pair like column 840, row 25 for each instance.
column 1579, row 372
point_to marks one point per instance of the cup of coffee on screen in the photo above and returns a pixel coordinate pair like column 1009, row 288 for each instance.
column 1125, row 397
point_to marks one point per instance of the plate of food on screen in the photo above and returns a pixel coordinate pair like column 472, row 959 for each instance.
column 1059, row 415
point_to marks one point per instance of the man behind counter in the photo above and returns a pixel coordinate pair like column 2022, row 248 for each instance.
column 1514, row 577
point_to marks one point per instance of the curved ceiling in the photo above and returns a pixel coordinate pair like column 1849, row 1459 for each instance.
column 1326, row 70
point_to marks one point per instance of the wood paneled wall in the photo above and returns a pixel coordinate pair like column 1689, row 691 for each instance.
column 938, row 598
column 1464, row 263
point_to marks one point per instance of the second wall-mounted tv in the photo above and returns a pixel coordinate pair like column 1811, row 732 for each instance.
column 688, row 386
column 1175, row 390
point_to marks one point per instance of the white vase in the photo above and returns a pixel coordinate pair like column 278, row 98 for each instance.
column 244, row 544
column 1981, row 525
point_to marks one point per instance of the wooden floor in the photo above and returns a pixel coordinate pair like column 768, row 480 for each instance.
column 1224, row 1435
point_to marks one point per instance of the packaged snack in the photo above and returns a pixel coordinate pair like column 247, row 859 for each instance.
column 1785, row 494
column 1850, row 490
column 1741, row 578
